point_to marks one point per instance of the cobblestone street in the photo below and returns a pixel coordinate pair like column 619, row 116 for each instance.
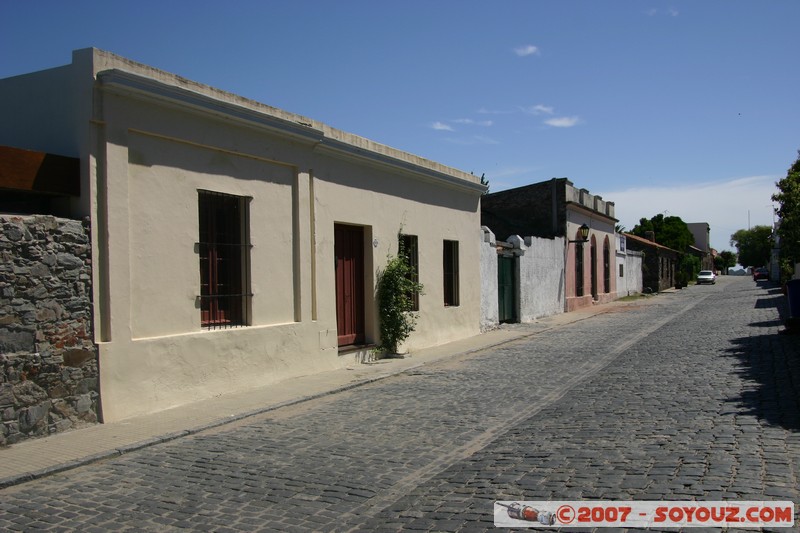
column 686, row 395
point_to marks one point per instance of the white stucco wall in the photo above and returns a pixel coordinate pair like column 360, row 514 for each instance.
column 631, row 281
column 55, row 106
column 490, row 314
column 541, row 274
column 50, row 111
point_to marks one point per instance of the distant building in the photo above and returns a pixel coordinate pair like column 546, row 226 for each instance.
column 555, row 208
column 629, row 268
column 659, row 264
column 701, row 232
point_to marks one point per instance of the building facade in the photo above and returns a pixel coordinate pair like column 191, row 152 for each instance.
column 629, row 269
column 701, row 231
column 521, row 279
column 235, row 244
column 555, row 208
column 659, row 263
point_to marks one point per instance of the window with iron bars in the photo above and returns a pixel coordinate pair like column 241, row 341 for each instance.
column 224, row 249
column 450, row 268
column 409, row 249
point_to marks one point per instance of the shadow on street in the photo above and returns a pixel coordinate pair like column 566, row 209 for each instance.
column 770, row 363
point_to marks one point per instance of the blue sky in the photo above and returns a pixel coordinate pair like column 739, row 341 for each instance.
column 686, row 107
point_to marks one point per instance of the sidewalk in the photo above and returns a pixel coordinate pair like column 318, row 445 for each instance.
column 37, row 458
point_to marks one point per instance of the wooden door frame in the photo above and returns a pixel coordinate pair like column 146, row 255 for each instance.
column 514, row 288
column 350, row 314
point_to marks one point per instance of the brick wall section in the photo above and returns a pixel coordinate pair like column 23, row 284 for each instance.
column 48, row 361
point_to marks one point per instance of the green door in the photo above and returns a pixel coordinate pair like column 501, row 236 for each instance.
column 506, row 289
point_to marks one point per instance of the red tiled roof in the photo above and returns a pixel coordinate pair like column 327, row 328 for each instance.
column 647, row 242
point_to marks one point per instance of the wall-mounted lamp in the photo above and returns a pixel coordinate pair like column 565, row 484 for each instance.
column 584, row 233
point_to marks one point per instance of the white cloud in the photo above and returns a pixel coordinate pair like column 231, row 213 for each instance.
column 441, row 126
column 527, row 50
column 504, row 178
column 727, row 206
column 513, row 172
column 471, row 141
column 482, row 139
column 562, row 122
column 672, row 12
column 473, row 122
column 484, row 111
column 539, row 109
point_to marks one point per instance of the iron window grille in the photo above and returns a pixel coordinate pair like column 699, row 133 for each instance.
column 409, row 249
column 224, row 250
column 450, row 267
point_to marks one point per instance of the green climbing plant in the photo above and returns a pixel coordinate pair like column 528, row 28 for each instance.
column 396, row 285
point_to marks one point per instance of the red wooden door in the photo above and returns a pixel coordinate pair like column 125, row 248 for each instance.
column 349, row 251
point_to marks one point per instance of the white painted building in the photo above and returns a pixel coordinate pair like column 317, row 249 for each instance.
column 532, row 285
column 629, row 269
column 235, row 244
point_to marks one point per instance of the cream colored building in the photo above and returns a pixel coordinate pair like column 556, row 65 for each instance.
column 220, row 226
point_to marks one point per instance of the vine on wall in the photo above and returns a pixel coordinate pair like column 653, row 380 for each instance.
column 395, row 287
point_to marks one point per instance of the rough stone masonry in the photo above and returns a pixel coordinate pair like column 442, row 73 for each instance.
column 48, row 360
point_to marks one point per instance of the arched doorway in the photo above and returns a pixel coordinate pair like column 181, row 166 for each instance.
column 606, row 267
column 594, row 267
column 579, row 269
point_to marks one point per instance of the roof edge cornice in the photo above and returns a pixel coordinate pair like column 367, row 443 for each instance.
column 127, row 82
column 323, row 138
column 345, row 150
column 589, row 210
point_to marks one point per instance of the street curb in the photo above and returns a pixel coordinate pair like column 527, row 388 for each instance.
column 117, row 452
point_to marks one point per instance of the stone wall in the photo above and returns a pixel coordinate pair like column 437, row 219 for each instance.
column 48, row 360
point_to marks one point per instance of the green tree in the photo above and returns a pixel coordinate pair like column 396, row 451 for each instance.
column 671, row 232
column 725, row 260
column 688, row 268
column 753, row 245
column 788, row 199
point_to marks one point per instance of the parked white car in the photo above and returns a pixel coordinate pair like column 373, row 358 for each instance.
column 706, row 276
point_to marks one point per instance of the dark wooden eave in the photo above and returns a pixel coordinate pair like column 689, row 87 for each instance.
column 39, row 172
